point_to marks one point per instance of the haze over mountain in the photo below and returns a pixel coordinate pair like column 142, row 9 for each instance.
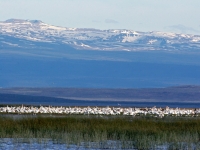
column 35, row 54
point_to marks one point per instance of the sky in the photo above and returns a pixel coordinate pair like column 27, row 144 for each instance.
column 180, row 16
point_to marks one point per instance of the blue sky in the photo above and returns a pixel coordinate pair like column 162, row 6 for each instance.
column 181, row 16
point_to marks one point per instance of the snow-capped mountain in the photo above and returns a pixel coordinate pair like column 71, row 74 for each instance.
column 26, row 33
column 35, row 54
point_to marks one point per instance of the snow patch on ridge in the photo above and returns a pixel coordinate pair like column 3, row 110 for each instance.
column 113, row 39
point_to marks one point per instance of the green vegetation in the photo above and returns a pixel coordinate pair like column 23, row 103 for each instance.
column 96, row 131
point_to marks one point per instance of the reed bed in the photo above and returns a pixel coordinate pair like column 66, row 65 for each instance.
column 121, row 132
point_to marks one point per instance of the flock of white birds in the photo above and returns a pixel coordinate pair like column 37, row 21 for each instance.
column 157, row 112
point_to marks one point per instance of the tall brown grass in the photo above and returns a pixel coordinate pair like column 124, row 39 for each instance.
column 122, row 132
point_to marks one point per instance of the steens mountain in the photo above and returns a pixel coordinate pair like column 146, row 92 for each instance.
column 31, row 33
column 36, row 54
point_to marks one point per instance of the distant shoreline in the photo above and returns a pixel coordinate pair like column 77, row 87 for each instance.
column 182, row 96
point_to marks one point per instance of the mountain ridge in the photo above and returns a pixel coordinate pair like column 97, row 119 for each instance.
column 95, row 39
column 35, row 54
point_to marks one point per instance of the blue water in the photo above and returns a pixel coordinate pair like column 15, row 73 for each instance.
column 64, row 102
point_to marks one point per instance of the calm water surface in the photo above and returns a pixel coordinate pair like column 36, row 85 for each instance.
column 20, row 144
column 63, row 102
